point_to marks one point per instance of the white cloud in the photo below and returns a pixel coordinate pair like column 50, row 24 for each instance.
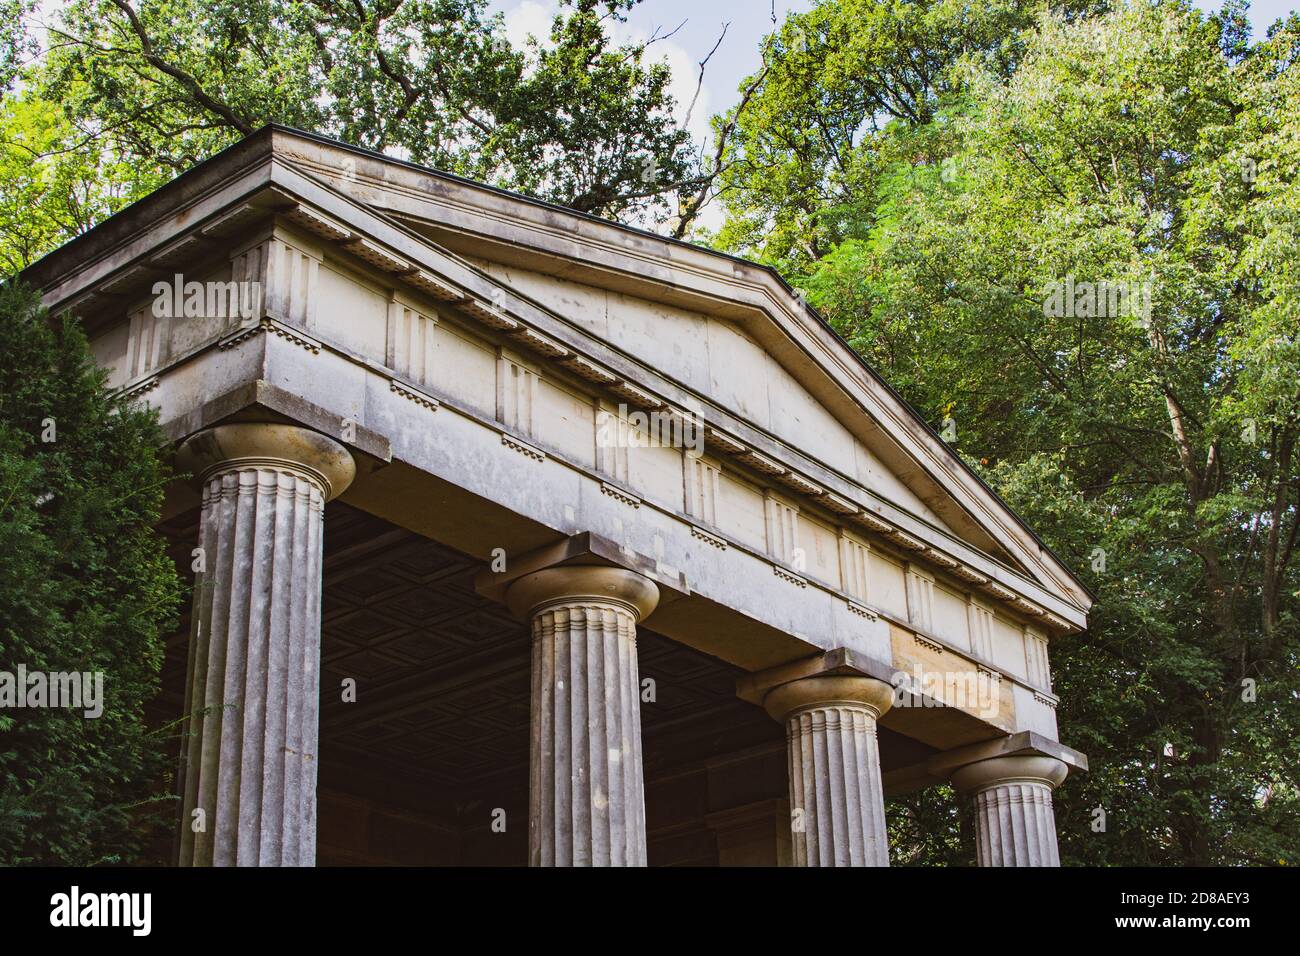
column 529, row 18
column 685, row 74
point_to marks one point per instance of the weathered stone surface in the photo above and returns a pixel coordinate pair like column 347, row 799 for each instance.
column 836, row 799
column 248, row 759
column 586, row 791
column 1014, row 822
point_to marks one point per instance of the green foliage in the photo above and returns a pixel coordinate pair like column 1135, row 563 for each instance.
column 15, row 43
column 53, row 192
column 1154, row 450
column 155, row 86
column 85, row 586
column 926, row 827
column 840, row 81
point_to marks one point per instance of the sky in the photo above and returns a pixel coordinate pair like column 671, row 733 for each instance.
column 695, row 26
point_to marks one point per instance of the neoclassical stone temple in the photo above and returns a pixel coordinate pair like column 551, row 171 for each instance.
column 524, row 537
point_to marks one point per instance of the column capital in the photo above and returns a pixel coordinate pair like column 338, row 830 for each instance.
column 1002, row 771
column 829, row 690
column 1015, row 824
column 581, row 583
column 268, row 444
column 577, row 552
column 840, row 662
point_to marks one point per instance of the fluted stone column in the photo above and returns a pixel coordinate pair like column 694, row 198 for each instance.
column 837, row 802
column 1014, row 823
column 586, row 788
column 248, row 760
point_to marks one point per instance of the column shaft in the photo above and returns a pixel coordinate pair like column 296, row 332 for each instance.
column 1015, row 826
column 248, row 760
column 587, row 803
column 586, row 793
column 836, row 796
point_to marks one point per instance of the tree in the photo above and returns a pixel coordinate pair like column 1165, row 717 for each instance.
column 57, row 185
column 1090, row 263
column 85, row 587
column 810, row 147
column 163, row 84
column 15, row 43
